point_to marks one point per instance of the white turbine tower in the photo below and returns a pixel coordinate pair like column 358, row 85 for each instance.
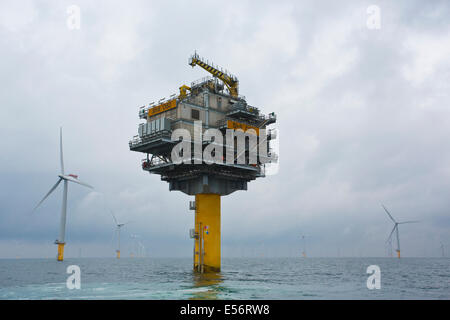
column 66, row 178
column 118, row 225
column 304, row 246
column 135, row 245
column 396, row 230
column 389, row 247
column 141, row 249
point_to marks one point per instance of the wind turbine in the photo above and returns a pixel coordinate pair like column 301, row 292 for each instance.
column 141, row 249
column 396, row 230
column 443, row 250
column 135, row 245
column 304, row 246
column 118, row 225
column 66, row 178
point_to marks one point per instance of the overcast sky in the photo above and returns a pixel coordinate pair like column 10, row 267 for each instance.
column 363, row 116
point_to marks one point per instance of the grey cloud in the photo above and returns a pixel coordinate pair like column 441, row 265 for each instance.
column 363, row 118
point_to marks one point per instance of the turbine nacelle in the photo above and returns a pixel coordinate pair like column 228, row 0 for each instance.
column 73, row 178
column 66, row 177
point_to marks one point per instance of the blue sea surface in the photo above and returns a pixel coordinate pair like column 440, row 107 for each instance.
column 241, row 278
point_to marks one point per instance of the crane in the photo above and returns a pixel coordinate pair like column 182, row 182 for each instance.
column 229, row 80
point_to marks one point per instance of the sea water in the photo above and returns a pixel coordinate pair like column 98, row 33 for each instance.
column 240, row 278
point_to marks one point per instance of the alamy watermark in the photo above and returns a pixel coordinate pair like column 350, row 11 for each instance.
column 73, row 21
column 373, row 21
column 374, row 280
column 248, row 147
column 74, row 280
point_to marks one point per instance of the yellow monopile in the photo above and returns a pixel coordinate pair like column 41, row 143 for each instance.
column 207, row 229
column 61, row 251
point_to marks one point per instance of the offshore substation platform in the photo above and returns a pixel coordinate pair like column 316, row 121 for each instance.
column 206, row 102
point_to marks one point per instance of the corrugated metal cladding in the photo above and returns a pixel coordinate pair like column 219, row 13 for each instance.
column 151, row 127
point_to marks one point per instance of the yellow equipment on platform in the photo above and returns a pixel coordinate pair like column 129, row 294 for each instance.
column 183, row 91
column 163, row 107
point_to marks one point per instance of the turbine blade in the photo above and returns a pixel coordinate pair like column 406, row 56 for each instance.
column 415, row 221
column 388, row 213
column 69, row 178
column 115, row 220
column 48, row 193
column 61, row 151
column 390, row 236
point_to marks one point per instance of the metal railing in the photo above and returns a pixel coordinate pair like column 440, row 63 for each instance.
column 152, row 162
column 136, row 140
column 199, row 82
column 244, row 107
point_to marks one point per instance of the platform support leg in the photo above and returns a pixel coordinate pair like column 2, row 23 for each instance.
column 207, row 230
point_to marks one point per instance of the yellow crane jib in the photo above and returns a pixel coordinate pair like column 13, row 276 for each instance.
column 230, row 81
